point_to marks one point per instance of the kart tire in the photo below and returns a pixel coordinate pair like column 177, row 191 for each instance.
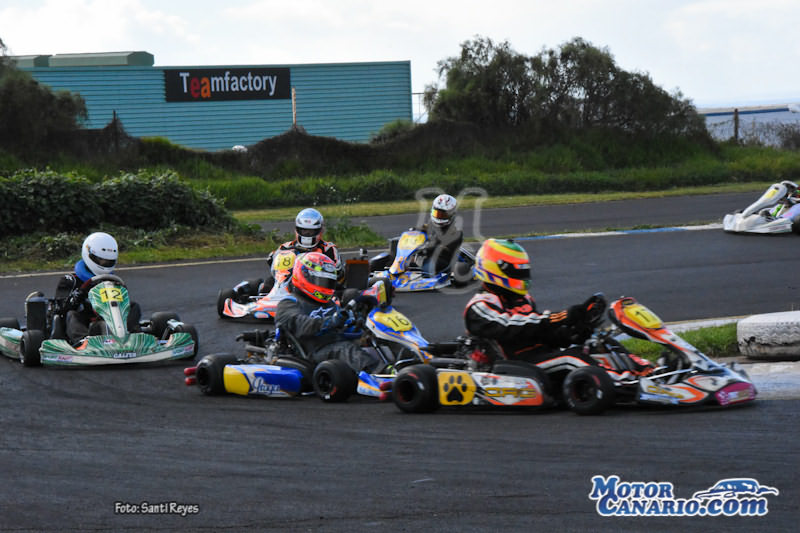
column 12, row 323
column 462, row 274
column 305, row 367
column 796, row 225
column 526, row 370
column 29, row 347
column 589, row 390
column 191, row 330
column 416, row 389
column 158, row 322
column 210, row 370
column 222, row 296
column 334, row 380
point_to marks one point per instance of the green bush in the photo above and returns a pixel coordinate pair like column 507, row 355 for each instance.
column 48, row 201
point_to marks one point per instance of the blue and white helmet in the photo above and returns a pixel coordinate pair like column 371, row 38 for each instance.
column 308, row 226
column 100, row 253
column 443, row 210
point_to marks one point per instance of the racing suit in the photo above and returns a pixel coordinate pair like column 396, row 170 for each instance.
column 74, row 307
column 441, row 248
column 325, row 247
column 518, row 328
column 315, row 326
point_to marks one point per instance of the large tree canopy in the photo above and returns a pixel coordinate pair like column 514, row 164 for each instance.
column 32, row 117
column 577, row 86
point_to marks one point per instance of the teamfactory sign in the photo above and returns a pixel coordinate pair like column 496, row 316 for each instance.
column 727, row 497
column 209, row 85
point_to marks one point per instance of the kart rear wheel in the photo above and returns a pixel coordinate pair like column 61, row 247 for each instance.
column 589, row 390
column 334, row 380
column 12, row 323
column 186, row 328
column 796, row 225
column 462, row 274
column 525, row 370
column 210, row 371
column 158, row 322
column 222, row 296
column 416, row 389
column 29, row 347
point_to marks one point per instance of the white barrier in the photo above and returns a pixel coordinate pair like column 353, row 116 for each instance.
column 770, row 336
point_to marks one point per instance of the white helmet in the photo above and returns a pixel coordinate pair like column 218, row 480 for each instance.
column 443, row 210
column 308, row 228
column 99, row 252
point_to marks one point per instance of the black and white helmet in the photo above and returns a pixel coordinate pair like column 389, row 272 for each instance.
column 443, row 210
column 308, row 226
column 100, row 253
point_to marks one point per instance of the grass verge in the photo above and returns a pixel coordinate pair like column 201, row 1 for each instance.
column 715, row 342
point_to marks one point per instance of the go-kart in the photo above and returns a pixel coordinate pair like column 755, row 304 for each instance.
column 684, row 376
column 275, row 364
column 402, row 265
column 776, row 211
column 248, row 302
column 44, row 341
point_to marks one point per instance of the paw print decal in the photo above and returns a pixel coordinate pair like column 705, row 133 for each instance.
column 456, row 388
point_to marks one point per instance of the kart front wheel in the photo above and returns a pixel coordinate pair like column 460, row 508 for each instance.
column 29, row 347
column 416, row 389
column 589, row 390
column 210, row 371
column 334, row 380
column 186, row 328
column 12, row 323
column 222, row 296
column 158, row 322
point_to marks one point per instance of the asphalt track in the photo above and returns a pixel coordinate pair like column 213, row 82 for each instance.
column 75, row 444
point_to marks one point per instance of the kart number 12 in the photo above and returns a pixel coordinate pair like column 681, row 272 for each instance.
column 113, row 294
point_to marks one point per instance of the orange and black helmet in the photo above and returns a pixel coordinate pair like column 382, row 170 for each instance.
column 314, row 274
column 505, row 264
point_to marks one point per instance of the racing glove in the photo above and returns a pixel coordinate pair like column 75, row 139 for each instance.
column 75, row 300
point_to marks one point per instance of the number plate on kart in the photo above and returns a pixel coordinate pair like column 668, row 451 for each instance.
column 110, row 294
column 410, row 241
column 393, row 320
column 642, row 316
column 284, row 261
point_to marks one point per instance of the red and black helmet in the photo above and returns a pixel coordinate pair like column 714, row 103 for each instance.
column 314, row 274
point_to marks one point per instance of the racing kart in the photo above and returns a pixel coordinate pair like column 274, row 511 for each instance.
column 43, row 341
column 776, row 211
column 248, row 302
column 402, row 265
column 275, row 364
column 684, row 376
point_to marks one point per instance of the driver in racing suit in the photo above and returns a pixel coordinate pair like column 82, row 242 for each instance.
column 315, row 319
column 444, row 238
column 505, row 313
column 99, row 255
column 309, row 226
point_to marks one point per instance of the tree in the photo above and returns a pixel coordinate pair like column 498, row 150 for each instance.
column 32, row 117
column 577, row 86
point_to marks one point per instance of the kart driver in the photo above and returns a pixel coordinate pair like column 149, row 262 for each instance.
column 308, row 229
column 315, row 319
column 504, row 311
column 99, row 255
column 444, row 238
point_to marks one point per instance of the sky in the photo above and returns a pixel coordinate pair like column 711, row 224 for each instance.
column 715, row 52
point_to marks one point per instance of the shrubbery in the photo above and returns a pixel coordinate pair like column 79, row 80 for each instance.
column 51, row 202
